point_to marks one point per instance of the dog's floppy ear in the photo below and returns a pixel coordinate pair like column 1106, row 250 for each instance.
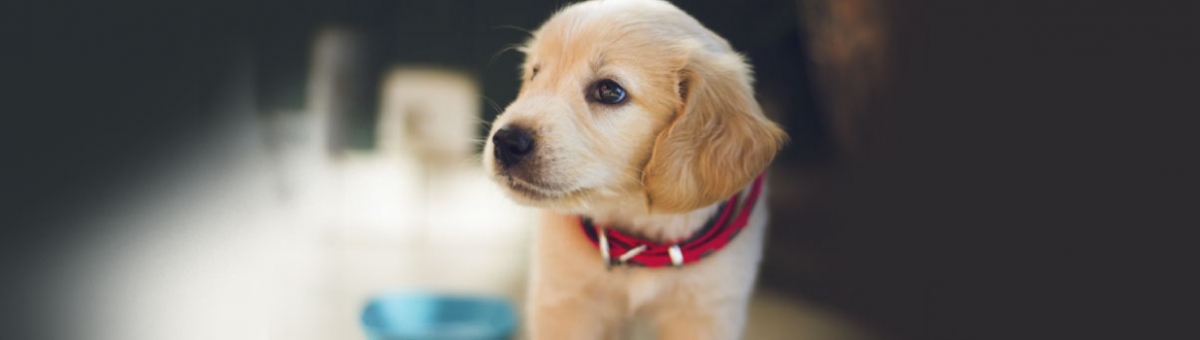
column 718, row 142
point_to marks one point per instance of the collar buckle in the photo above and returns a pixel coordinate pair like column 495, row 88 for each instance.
column 606, row 253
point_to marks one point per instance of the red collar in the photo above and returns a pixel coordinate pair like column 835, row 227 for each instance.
column 620, row 248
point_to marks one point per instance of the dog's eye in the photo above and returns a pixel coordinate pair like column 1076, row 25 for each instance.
column 534, row 73
column 608, row 92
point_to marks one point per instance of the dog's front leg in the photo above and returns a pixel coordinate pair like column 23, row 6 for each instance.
column 717, row 322
column 571, row 295
column 573, row 309
column 570, row 319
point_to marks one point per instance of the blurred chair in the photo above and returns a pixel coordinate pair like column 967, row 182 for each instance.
column 429, row 113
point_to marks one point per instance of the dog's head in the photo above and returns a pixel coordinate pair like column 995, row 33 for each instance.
column 630, row 103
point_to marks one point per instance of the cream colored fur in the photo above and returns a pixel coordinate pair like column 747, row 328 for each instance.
column 689, row 135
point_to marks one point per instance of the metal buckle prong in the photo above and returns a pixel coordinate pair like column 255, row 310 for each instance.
column 631, row 253
column 604, row 248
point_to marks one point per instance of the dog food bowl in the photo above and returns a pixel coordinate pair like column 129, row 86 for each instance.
column 433, row 316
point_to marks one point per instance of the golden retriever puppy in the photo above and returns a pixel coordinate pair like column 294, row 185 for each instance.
column 637, row 131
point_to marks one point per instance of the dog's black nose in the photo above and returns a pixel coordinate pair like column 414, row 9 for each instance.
column 511, row 144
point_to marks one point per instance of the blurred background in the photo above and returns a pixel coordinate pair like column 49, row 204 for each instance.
column 260, row 169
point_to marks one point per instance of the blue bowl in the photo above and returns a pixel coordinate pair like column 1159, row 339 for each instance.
column 423, row 315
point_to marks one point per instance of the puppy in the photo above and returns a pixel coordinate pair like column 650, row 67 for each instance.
column 637, row 132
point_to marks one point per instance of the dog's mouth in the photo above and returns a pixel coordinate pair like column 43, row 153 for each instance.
column 532, row 190
column 537, row 191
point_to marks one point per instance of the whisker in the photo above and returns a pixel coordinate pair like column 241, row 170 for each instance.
column 493, row 104
column 506, row 48
column 516, row 28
